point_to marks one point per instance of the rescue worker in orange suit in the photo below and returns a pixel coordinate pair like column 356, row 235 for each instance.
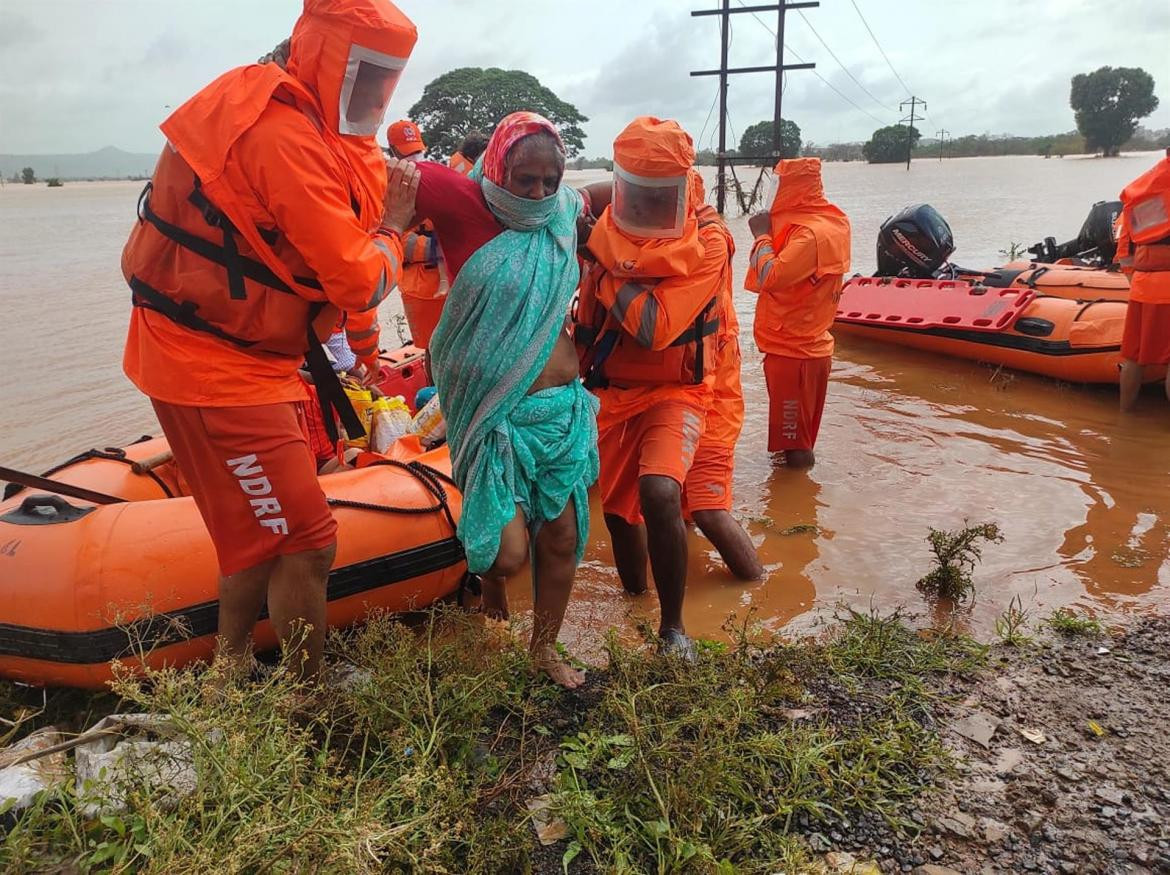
column 271, row 210
column 1143, row 248
column 469, row 150
column 798, row 260
column 648, row 322
column 424, row 282
column 707, row 490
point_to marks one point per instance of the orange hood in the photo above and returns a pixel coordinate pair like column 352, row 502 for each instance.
column 327, row 30
column 800, row 200
column 660, row 148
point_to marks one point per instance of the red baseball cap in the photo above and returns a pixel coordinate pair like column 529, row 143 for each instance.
column 405, row 138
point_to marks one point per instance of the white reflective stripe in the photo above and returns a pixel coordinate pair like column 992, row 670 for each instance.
column 764, row 250
column 1148, row 214
column 649, row 321
column 381, row 244
column 380, row 292
column 626, row 295
column 362, row 335
column 649, row 181
column 764, row 273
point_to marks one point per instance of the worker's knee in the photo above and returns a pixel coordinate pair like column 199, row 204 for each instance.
column 314, row 563
column 661, row 497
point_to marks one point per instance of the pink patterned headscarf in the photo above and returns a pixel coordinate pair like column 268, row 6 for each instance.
column 511, row 129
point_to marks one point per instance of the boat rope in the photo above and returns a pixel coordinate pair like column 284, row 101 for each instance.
column 109, row 454
column 431, row 479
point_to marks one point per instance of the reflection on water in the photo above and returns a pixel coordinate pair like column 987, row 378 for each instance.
column 909, row 440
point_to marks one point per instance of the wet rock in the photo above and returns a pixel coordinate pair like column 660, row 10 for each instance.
column 1110, row 795
column 994, row 831
column 1008, row 759
column 978, row 726
column 958, row 824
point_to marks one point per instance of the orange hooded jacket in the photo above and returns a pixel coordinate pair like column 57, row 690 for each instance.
column 725, row 418
column 650, row 309
column 257, row 154
column 797, row 270
column 461, row 163
column 1143, row 244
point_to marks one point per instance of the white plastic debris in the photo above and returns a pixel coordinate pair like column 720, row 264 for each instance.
column 130, row 751
column 24, row 774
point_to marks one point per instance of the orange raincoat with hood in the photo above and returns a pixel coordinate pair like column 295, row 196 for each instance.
column 261, row 222
column 650, row 309
column 1144, row 234
column 797, row 270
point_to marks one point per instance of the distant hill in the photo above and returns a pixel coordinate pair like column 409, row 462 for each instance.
column 107, row 163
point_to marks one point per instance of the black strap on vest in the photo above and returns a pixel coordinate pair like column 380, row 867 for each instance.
column 700, row 341
column 231, row 253
column 150, row 298
column 607, row 340
column 245, row 267
column 330, row 396
column 333, row 401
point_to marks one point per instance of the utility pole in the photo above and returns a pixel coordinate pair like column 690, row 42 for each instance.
column 942, row 135
column 722, row 159
column 914, row 104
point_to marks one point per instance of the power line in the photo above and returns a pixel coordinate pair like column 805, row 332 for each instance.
column 796, row 55
column 879, row 47
column 842, row 66
column 714, row 100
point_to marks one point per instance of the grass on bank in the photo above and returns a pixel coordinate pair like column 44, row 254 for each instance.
column 425, row 760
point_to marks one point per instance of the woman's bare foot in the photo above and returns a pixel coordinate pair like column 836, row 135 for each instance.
column 494, row 601
column 547, row 660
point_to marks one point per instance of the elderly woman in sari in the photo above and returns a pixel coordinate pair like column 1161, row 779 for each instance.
column 521, row 427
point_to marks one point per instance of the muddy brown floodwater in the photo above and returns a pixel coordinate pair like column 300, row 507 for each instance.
column 909, row 440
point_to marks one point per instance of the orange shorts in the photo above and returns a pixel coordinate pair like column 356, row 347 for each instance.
column 708, row 484
column 253, row 479
column 422, row 315
column 661, row 441
column 796, row 395
column 1146, row 338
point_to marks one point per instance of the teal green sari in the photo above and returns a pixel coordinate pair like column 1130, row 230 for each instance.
column 501, row 320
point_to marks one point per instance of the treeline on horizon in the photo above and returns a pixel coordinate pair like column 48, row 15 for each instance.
column 969, row 146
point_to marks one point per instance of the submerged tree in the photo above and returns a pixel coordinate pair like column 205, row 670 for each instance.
column 757, row 139
column 474, row 98
column 888, row 144
column 1108, row 104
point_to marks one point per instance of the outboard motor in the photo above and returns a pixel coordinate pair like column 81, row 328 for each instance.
column 915, row 242
column 1094, row 244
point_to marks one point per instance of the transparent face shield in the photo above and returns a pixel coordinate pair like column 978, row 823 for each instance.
column 370, row 78
column 772, row 191
column 649, row 206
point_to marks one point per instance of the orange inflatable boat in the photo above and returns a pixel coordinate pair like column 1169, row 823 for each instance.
column 1061, row 280
column 83, row 584
column 1077, row 341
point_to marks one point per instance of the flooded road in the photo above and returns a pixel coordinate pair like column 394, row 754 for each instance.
column 909, row 440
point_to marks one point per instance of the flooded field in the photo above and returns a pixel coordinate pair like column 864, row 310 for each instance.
column 909, row 440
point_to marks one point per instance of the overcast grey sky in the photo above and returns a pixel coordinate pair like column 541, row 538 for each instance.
column 76, row 75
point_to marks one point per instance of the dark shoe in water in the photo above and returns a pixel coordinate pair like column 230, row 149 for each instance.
column 675, row 643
